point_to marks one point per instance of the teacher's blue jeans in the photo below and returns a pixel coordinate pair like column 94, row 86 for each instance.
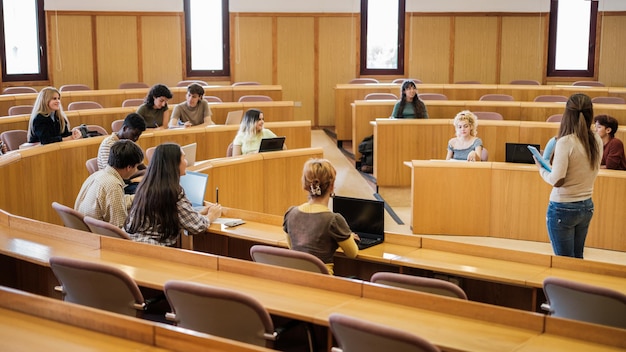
column 567, row 226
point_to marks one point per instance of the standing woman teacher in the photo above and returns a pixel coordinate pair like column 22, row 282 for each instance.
column 576, row 162
column 410, row 106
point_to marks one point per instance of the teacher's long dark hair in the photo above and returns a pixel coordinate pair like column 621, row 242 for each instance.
column 158, row 192
column 577, row 120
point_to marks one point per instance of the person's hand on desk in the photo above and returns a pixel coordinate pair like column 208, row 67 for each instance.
column 356, row 237
column 211, row 210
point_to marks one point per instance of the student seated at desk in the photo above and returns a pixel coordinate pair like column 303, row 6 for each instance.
column 102, row 194
column 251, row 131
column 312, row 227
column 465, row 146
column 48, row 123
column 195, row 111
column 160, row 209
column 410, row 105
column 132, row 128
column 613, row 152
column 154, row 108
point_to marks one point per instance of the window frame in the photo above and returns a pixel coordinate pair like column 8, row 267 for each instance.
column 591, row 60
column 363, row 52
column 225, row 44
column 43, row 49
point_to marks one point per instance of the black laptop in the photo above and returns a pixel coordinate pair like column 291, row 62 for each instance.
column 366, row 218
column 271, row 144
column 519, row 153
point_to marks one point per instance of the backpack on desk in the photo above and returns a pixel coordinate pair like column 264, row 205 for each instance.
column 366, row 148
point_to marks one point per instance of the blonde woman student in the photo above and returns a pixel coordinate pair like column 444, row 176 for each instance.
column 251, row 131
column 48, row 123
column 465, row 145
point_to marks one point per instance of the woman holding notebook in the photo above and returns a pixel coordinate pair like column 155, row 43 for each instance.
column 251, row 132
column 576, row 162
column 160, row 209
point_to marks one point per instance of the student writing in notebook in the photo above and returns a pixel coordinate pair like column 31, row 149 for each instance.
column 194, row 111
column 576, row 161
column 154, row 109
column 465, row 145
column 311, row 227
column 251, row 131
column 160, row 209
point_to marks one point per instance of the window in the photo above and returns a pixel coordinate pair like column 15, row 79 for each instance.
column 382, row 37
column 23, row 40
column 207, row 39
column 572, row 39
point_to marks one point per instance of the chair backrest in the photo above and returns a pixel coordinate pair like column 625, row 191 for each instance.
column 212, row 99
column 73, row 87
column 432, row 96
column 149, row 153
column 588, row 83
column 551, row 98
column 132, row 102
column 97, row 285
column 400, row 80
column 467, row 82
column 229, row 150
column 84, row 105
column 217, row 311
column 484, row 154
column 254, row 98
column 363, row 80
column 18, row 90
column 117, row 125
column 246, row 84
column 14, row 138
column 70, row 217
column 488, row 115
column 528, row 82
column 92, row 166
column 133, row 85
column 417, row 283
column 188, row 82
column 287, row 258
column 20, row 110
column 97, row 128
column 579, row 301
column 555, row 118
column 381, row 96
column 606, row 100
column 496, row 97
column 356, row 335
column 234, row 117
column 105, row 229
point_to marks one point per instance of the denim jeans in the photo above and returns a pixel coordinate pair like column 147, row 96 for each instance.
column 567, row 226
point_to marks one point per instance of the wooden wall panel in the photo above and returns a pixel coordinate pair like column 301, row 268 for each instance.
column 523, row 48
column 428, row 51
column 71, row 50
column 295, row 60
column 475, row 49
column 612, row 70
column 252, row 49
column 117, row 50
column 161, row 49
column 337, row 61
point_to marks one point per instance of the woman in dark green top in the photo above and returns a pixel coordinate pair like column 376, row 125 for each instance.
column 410, row 106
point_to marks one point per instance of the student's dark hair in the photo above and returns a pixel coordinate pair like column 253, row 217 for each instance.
column 195, row 88
column 577, row 119
column 158, row 192
column 608, row 122
column 135, row 121
column 125, row 153
column 157, row 90
column 418, row 105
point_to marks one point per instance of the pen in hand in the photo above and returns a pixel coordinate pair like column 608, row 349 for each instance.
column 217, row 195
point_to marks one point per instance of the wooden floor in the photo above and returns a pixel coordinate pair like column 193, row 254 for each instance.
column 352, row 183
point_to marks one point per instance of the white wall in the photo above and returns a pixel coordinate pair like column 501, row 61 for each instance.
column 320, row 5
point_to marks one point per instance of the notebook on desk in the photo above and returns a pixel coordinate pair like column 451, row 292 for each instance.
column 190, row 153
column 366, row 218
column 194, row 184
column 271, row 144
column 519, row 153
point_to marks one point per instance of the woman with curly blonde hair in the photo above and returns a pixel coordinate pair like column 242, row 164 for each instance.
column 465, row 146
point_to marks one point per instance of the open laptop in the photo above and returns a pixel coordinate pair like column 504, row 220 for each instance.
column 190, row 153
column 194, row 184
column 234, row 117
column 271, row 144
column 366, row 218
column 519, row 153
